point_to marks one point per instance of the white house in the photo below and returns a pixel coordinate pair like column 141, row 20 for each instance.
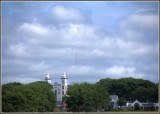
column 131, row 105
column 59, row 89
column 114, row 101
column 143, row 105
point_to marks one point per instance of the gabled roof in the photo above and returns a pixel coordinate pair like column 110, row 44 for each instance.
column 136, row 101
column 114, row 97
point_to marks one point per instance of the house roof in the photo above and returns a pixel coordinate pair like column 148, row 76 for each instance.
column 141, row 104
column 156, row 104
column 114, row 97
column 136, row 101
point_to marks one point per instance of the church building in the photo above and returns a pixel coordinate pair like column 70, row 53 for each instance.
column 59, row 89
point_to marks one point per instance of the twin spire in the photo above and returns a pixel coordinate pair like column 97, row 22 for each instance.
column 48, row 77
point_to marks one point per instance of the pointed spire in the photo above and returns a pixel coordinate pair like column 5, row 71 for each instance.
column 47, row 77
column 64, row 75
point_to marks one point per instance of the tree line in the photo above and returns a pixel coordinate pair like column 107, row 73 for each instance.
column 89, row 97
column 131, row 89
column 33, row 97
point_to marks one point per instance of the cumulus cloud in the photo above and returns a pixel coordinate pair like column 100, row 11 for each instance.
column 119, row 71
column 33, row 28
column 63, row 14
column 141, row 26
column 60, row 15
column 142, row 19
column 63, row 41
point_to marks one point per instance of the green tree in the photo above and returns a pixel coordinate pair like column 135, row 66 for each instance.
column 121, row 101
column 33, row 97
column 141, row 94
column 145, row 94
column 136, row 107
column 130, row 86
column 86, row 97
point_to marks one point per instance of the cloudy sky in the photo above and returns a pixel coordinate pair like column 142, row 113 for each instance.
column 87, row 40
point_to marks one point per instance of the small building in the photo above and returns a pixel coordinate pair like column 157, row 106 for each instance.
column 144, row 106
column 114, row 101
column 131, row 105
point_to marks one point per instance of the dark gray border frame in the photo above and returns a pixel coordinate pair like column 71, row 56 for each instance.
column 63, row 112
column 159, row 74
column 80, row 0
column 1, row 64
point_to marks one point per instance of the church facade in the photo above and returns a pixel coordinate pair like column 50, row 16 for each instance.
column 59, row 89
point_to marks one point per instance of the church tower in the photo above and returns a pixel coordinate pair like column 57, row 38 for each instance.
column 64, row 84
column 48, row 79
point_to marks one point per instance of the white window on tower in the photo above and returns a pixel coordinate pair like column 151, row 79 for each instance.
column 63, row 87
column 62, row 92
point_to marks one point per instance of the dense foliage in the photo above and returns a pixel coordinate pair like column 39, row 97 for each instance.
column 33, row 97
column 86, row 97
column 136, row 107
column 132, row 89
column 121, row 101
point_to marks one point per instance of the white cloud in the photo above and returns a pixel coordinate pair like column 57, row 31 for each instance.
column 33, row 28
column 141, row 21
column 63, row 14
column 120, row 71
column 146, row 50
column 51, row 47
column 60, row 42
column 141, row 26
